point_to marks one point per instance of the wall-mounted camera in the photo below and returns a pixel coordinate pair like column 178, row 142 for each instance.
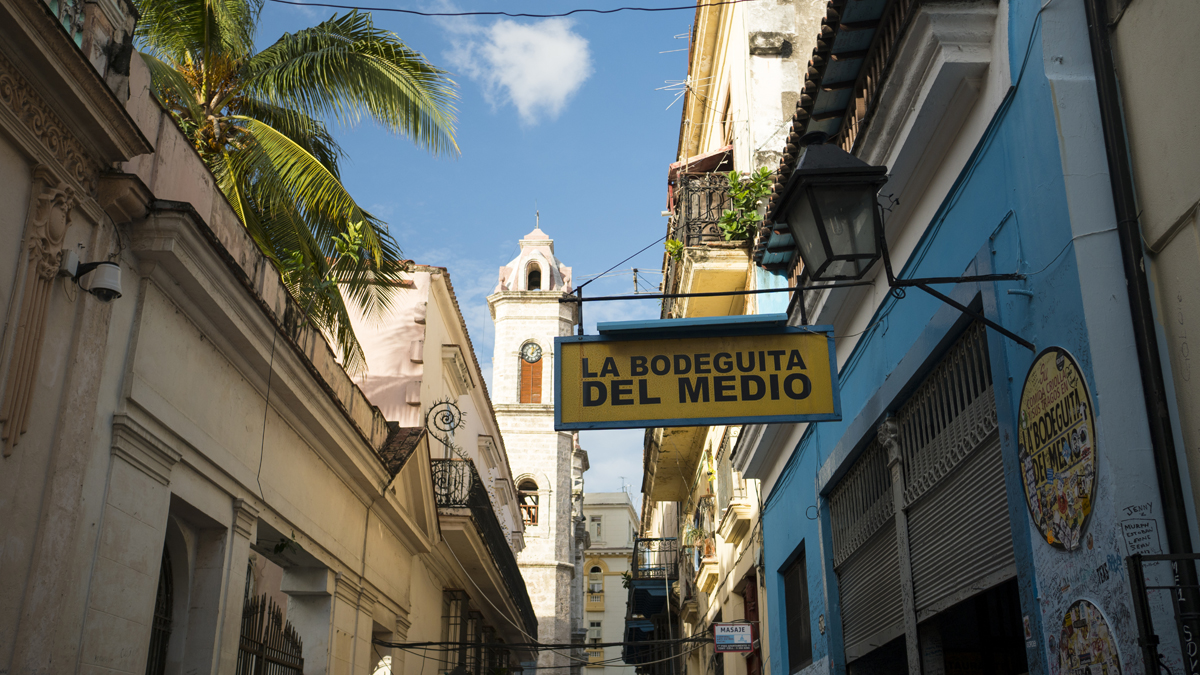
column 101, row 279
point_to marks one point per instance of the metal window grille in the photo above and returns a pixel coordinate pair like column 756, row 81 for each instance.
column 473, row 662
column 949, row 415
column 454, row 610
column 160, row 630
column 861, row 503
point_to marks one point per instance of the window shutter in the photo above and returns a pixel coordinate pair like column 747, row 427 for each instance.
column 531, row 381
column 526, row 380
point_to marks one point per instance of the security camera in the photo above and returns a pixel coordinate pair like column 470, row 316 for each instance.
column 105, row 283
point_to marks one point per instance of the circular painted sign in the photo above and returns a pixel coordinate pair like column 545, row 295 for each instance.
column 1086, row 645
column 1056, row 445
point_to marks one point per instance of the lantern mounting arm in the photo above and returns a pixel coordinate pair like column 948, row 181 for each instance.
column 898, row 286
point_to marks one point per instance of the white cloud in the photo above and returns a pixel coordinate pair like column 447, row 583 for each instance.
column 536, row 67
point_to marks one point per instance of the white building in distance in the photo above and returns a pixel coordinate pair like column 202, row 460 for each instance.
column 612, row 525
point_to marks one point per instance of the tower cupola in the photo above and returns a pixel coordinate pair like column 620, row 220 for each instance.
column 535, row 268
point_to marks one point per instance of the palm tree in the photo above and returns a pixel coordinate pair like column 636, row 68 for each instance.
column 258, row 119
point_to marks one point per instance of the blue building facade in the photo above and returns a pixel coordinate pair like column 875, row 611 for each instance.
column 988, row 119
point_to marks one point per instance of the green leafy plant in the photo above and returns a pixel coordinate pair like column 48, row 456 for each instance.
column 259, row 120
column 675, row 249
column 740, row 222
column 626, row 579
column 284, row 545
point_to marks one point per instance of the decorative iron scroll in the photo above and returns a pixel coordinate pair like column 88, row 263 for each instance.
column 440, row 421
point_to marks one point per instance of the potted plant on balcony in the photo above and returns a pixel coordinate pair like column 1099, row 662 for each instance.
column 741, row 222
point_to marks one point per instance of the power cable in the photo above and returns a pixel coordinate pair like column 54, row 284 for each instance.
column 510, row 14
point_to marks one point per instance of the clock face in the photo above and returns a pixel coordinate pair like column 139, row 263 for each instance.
column 531, row 352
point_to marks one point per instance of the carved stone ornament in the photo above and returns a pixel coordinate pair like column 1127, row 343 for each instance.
column 32, row 111
column 49, row 218
column 889, row 438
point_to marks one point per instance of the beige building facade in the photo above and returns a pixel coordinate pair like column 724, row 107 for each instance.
column 188, row 451
column 612, row 527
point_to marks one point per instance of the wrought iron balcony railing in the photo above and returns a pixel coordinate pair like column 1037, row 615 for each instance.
column 656, row 558
column 701, row 200
column 457, row 485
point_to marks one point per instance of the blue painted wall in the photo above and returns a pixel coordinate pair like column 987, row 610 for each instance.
column 1010, row 212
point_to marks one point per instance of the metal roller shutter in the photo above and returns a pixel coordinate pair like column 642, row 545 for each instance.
column 865, row 553
column 870, row 593
column 959, row 535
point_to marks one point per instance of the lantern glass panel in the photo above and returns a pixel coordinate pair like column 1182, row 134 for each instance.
column 847, row 213
column 807, row 236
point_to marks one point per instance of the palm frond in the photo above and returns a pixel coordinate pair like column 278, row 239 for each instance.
column 176, row 28
column 282, row 171
column 173, row 90
column 345, row 67
column 310, row 134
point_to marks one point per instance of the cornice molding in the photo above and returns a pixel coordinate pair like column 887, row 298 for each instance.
column 31, row 110
column 58, row 63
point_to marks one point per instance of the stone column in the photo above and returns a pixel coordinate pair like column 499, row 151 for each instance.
column 310, row 593
column 124, row 584
column 244, row 530
column 889, row 438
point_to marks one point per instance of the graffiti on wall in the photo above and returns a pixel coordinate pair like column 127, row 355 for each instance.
column 1086, row 645
column 1056, row 444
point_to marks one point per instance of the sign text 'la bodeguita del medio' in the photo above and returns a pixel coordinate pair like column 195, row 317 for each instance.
column 654, row 378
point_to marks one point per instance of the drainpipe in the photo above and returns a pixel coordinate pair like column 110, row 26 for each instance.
column 1153, row 385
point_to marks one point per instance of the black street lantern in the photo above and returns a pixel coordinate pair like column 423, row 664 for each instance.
column 831, row 208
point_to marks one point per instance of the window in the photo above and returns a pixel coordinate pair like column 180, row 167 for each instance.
column 596, row 580
column 160, row 631
column 527, row 499
column 535, row 279
column 454, row 620
column 795, row 592
column 594, row 635
column 596, row 527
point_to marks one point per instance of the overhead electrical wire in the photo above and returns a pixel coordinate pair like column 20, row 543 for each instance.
column 514, row 15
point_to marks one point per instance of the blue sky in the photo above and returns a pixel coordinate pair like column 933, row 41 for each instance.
column 561, row 113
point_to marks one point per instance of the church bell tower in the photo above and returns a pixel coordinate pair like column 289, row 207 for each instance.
column 547, row 465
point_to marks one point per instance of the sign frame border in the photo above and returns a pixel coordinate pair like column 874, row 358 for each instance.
column 626, row 331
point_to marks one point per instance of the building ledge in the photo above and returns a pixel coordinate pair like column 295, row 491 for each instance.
column 708, row 576
column 735, row 522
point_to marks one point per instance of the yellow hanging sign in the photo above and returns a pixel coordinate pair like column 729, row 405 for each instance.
column 698, row 377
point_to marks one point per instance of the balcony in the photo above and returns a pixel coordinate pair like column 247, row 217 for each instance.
column 595, row 602
column 595, row 657
column 655, row 559
column 708, row 262
column 462, row 498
